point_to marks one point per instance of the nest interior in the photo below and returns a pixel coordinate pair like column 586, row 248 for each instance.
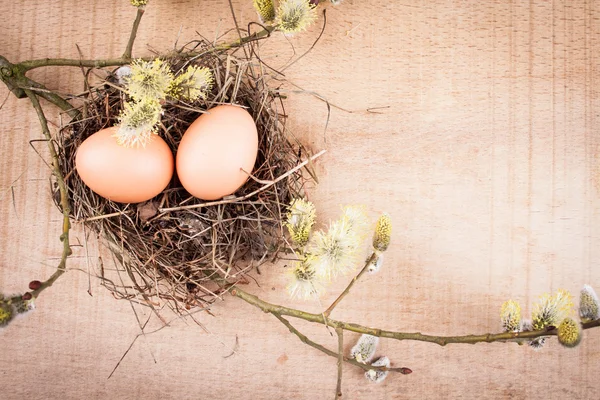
column 176, row 247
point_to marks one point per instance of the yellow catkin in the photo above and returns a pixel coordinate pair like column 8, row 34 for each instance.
column 192, row 84
column 383, row 233
column 300, row 220
column 149, row 80
column 551, row 310
column 6, row 313
column 139, row 3
column 569, row 333
column 510, row 316
column 589, row 306
column 294, row 16
column 265, row 10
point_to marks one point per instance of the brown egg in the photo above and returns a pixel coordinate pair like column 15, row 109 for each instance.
column 214, row 150
column 123, row 174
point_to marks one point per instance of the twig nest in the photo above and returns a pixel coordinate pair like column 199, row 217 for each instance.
column 177, row 247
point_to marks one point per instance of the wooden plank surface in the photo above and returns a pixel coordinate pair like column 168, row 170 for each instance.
column 484, row 151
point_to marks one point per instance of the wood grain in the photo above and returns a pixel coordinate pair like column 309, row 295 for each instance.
column 484, row 151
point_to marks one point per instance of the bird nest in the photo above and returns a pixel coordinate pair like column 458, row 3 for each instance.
column 175, row 247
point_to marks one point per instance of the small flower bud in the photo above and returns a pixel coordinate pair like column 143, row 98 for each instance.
column 123, row 73
column 149, row 80
column 375, row 264
column 137, row 122
column 365, row 348
column 192, row 84
column 375, row 375
column 569, row 333
column 589, row 306
column 265, row 10
column 550, row 310
column 383, row 233
column 295, row 15
column 300, row 220
column 139, row 3
column 510, row 316
column 27, row 296
column 538, row 343
column 6, row 313
column 304, row 283
column 35, row 285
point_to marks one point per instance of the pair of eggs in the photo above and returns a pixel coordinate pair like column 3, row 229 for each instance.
column 214, row 158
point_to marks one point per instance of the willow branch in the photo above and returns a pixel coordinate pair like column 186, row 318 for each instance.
column 64, row 198
column 67, row 62
column 134, row 29
column 416, row 336
column 352, row 282
column 13, row 75
column 304, row 339
column 115, row 62
column 338, row 388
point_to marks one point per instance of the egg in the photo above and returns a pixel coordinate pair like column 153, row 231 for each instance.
column 124, row 174
column 215, row 151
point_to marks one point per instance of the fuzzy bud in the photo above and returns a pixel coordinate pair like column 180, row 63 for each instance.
column 265, row 10
column 538, row 343
column 375, row 375
column 139, row 3
column 375, row 264
column 365, row 348
column 149, row 80
column 304, row 283
column 294, row 16
column 569, row 333
column 383, row 233
column 137, row 122
column 551, row 310
column 589, row 306
column 6, row 313
column 300, row 220
column 192, row 84
column 510, row 316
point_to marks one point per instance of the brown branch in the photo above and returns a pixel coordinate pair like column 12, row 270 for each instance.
column 417, row 336
column 64, row 198
column 338, row 388
column 66, row 62
column 134, row 29
column 304, row 339
column 13, row 76
column 352, row 282
column 28, row 65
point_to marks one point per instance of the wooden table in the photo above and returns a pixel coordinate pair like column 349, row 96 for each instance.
column 475, row 124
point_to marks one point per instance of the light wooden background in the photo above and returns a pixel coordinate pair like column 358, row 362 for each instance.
column 486, row 157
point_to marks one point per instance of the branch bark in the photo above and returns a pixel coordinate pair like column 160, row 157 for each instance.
column 304, row 339
column 338, row 388
column 64, row 197
column 417, row 336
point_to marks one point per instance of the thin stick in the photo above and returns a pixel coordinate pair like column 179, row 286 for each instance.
column 304, row 339
column 338, row 389
column 235, row 199
column 28, row 65
column 103, row 216
column 352, row 282
column 64, row 197
column 134, row 29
